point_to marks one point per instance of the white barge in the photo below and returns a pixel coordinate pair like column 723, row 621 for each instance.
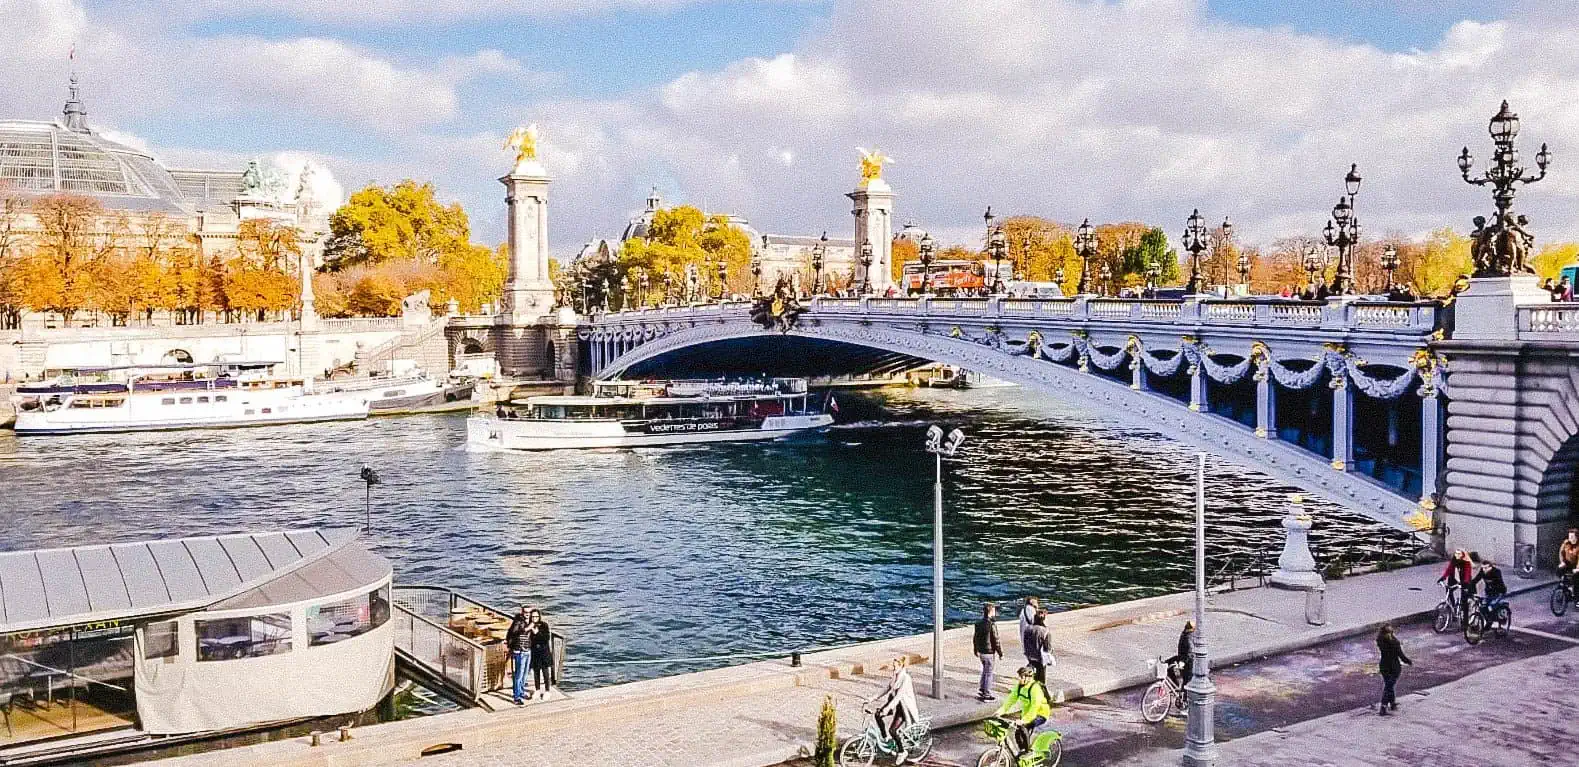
column 170, row 397
column 651, row 413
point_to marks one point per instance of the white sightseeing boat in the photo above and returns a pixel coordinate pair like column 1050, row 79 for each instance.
column 170, row 397
column 642, row 414
column 407, row 392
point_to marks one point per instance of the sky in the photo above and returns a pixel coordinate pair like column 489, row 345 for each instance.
column 1112, row 110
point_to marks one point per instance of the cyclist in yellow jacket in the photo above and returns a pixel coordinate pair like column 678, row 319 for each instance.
column 1028, row 699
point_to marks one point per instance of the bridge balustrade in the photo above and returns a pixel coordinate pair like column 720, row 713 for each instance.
column 1549, row 322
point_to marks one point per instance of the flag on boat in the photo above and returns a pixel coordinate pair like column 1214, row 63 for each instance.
column 833, row 404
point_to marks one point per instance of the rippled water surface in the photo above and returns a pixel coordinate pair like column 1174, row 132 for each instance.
column 691, row 551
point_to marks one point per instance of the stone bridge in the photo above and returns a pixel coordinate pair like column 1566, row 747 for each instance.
column 1372, row 405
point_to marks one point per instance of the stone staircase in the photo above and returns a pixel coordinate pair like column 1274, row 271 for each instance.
column 426, row 346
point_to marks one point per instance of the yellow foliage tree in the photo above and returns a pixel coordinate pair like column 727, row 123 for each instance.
column 901, row 253
column 402, row 222
column 1551, row 259
column 375, row 295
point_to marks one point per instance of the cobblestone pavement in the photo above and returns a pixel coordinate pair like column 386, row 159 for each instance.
column 1316, row 706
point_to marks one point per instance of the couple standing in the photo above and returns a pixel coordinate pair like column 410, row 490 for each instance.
column 531, row 645
column 1035, row 637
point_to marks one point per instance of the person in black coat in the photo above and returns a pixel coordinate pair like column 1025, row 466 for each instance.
column 1185, row 659
column 987, row 648
column 1392, row 654
column 542, row 654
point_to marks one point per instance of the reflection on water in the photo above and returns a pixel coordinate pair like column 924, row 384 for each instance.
column 691, row 551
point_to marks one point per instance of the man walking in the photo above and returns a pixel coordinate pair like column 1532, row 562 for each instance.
column 987, row 648
column 519, row 640
column 1392, row 652
column 1027, row 620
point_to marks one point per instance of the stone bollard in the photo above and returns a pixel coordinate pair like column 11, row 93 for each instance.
column 1296, row 568
column 1316, row 606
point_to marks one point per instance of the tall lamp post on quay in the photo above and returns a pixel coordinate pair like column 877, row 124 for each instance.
column 756, row 276
column 818, row 253
column 1200, row 742
column 1343, row 232
column 1195, row 237
column 939, row 447
column 1085, row 247
column 927, row 253
column 1315, row 266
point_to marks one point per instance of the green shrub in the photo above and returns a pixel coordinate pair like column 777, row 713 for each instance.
column 827, row 734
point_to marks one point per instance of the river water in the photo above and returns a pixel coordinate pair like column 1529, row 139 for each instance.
column 664, row 553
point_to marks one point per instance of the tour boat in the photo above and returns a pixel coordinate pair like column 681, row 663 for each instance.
column 167, row 397
column 648, row 413
column 414, row 392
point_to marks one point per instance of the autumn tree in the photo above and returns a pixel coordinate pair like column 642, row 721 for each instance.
column 405, row 221
column 679, row 237
column 58, row 275
column 900, row 252
column 13, row 206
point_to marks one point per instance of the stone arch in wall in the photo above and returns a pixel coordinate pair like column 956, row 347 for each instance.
column 472, row 346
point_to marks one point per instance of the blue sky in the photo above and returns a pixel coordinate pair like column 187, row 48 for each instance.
column 1118, row 110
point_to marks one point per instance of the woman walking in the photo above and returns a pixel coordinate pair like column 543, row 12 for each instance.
column 542, row 656
column 1392, row 653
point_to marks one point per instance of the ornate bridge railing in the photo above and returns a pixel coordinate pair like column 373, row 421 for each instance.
column 1553, row 322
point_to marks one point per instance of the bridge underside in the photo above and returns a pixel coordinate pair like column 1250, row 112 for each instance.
column 773, row 354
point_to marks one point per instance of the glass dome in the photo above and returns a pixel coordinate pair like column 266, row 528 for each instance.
column 50, row 158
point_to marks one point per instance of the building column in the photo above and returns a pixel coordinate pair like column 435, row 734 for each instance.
column 1266, row 403
column 1430, row 443
column 1198, row 389
column 1342, row 423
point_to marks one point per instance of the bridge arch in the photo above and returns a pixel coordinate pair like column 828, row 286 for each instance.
column 1067, row 368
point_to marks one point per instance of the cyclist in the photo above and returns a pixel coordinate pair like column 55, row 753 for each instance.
column 1028, row 699
column 1457, row 575
column 896, row 709
column 1496, row 589
column 1568, row 558
column 1182, row 665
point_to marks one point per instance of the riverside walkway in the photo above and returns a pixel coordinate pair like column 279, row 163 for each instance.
column 764, row 713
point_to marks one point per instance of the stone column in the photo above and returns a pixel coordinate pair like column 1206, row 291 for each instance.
column 1430, row 443
column 1342, row 423
column 874, row 209
column 1198, row 389
column 528, row 294
column 1137, row 370
column 1266, row 402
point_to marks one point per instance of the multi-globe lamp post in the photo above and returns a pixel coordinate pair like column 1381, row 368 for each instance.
column 927, row 253
column 1086, row 248
column 1504, row 176
column 756, row 276
column 1106, row 282
column 866, row 267
column 1244, row 269
column 723, row 279
column 818, row 253
column 1389, row 265
column 1343, row 232
column 1195, row 241
column 1315, row 265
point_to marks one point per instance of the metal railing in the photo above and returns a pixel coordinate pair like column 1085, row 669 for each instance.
column 426, row 633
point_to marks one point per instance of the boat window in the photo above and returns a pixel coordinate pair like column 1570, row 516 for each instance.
column 268, row 410
column 186, row 400
column 394, row 392
column 82, row 403
column 250, row 411
column 159, row 640
column 167, row 401
column 202, row 400
column 253, row 636
column 221, row 398
column 338, row 621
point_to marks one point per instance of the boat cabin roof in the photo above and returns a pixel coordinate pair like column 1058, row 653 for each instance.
column 46, row 588
column 172, row 366
column 575, row 400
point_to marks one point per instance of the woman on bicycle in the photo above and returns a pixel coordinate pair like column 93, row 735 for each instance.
column 1568, row 558
column 1459, row 574
column 896, row 708
column 1184, row 662
column 1029, row 699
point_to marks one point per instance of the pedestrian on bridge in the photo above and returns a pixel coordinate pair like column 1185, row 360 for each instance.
column 1392, row 653
column 987, row 648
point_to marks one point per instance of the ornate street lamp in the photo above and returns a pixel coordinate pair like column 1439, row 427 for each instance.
column 1228, row 238
column 642, row 282
column 723, row 276
column 1058, row 277
column 1107, row 280
column 927, row 254
column 1389, row 265
column 818, row 253
column 1025, row 258
column 1085, row 247
column 1195, row 240
column 1315, row 264
column 998, row 247
column 866, row 268
column 756, row 276
column 1153, row 273
column 1343, row 233
column 1495, row 253
column 1244, row 268
column 668, row 288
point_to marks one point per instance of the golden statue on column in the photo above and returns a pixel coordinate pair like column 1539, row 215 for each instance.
column 523, row 140
column 872, row 165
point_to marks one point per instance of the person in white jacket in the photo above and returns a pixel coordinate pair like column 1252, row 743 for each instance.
column 895, row 709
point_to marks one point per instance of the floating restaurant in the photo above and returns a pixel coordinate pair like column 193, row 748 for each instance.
column 134, row 642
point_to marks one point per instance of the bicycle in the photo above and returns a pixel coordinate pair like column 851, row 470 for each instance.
column 1562, row 594
column 1164, row 696
column 1448, row 611
column 1485, row 616
column 862, row 750
column 1047, row 747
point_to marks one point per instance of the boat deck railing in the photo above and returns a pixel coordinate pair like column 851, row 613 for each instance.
column 435, row 630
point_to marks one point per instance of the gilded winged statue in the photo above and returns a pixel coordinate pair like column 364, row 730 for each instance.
column 872, row 164
column 524, row 141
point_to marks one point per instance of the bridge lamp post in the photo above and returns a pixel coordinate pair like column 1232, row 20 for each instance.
column 999, row 251
column 1085, row 247
column 756, row 276
column 1244, row 269
column 1315, row 264
column 1504, row 175
column 1107, row 280
column 1024, row 267
column 1389, row 265
column 928, row 253
column 818, row 253
column 1343, row 233
column 1195, row 239
column 723, row 277
column 642, row 282
column 1153, row 273
column 1200, row 743
column 1228, row 239
column 939, row 447
column 866, row 267
column 1058, row 277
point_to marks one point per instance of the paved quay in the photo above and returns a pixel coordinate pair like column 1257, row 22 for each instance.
column 765, row 713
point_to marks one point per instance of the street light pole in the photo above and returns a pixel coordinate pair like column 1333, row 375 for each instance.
column 1085, row 247
column 939, row 448
column 1200, row 743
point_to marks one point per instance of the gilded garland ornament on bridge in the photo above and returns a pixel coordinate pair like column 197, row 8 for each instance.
column 1503, row 246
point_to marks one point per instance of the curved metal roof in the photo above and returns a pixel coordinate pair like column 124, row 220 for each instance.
column 49, row 158
column 45, row 588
